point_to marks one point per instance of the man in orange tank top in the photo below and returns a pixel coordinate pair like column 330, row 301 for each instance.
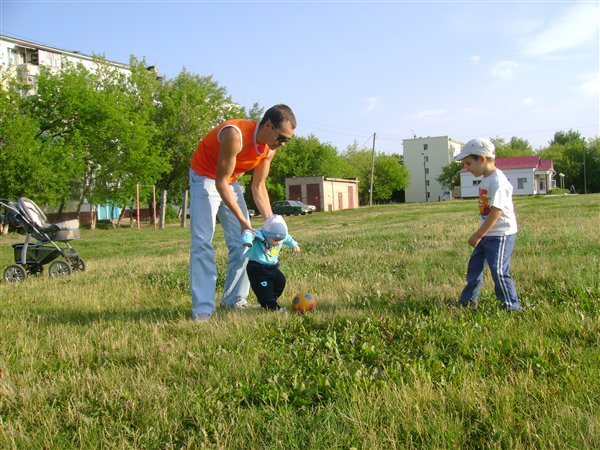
column 229, row 150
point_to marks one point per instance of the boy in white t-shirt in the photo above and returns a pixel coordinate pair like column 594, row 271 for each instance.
column 495, row 239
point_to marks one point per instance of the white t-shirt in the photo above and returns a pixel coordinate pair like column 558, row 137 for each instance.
column 495, row 190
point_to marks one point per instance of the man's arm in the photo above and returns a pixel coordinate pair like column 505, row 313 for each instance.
column 259, row 186
column 487, row 224
column 231, row 146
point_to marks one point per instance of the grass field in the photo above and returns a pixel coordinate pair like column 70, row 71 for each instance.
column 109, row 358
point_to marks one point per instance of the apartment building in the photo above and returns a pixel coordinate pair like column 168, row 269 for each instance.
column 23, row 58
column 424, row 158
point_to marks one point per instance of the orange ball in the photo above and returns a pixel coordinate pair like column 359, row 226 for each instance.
column 304, row 303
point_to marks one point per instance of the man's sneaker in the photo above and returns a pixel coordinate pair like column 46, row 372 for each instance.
column 242, row 304
column 202, row 318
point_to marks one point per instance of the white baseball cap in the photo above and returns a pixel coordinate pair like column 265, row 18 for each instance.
column 275, row 227
column 477, row 146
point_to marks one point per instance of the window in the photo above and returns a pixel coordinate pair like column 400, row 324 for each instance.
column 476, row 182
column 427, row 182
column 426, row 171
column 426, row 158
column 521, row 183
column 425, row 146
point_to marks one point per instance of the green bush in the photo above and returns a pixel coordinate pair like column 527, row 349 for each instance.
column 558, row 191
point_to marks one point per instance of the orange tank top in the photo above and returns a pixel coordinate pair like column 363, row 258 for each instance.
column 204, row 159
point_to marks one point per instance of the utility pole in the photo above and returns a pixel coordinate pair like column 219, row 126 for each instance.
column 372, row 172
column 584, row 174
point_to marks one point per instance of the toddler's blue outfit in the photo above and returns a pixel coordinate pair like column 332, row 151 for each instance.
column 266, row 280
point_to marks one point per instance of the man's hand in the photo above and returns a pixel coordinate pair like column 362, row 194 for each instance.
column 245, row 225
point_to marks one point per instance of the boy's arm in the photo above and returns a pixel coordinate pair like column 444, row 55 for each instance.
column 487, row 224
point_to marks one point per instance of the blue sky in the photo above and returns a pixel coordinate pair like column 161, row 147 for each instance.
column 353, row 68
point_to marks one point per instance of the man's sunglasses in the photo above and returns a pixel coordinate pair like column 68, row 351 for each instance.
column 280, row 137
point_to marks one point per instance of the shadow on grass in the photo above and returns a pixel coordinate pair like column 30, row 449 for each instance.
column 79, row 317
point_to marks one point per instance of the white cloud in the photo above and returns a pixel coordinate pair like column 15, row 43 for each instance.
column 573, row 29
column 528, row 101
column 505, row 69
column 427, row 114
column 475, row 59
column 472, row 111
column 371, row 103
column 591, row 87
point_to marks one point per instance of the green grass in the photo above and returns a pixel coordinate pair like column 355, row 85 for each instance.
column 109, row 358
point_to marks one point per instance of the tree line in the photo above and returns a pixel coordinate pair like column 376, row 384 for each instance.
column 92, row 136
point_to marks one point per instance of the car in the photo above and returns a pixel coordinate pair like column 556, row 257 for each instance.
column 295, row 207
column 251, row 213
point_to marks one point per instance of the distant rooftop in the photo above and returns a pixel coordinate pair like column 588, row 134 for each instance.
column 522, row 162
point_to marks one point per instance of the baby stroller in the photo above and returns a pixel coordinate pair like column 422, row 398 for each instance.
column 51, row 241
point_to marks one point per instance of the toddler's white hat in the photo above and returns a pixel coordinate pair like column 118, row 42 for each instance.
column 275, row 227
column 477, row 146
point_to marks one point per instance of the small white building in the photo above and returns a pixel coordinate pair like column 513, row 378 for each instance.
column 425, row 158
column 327, row 194
column 529, row 175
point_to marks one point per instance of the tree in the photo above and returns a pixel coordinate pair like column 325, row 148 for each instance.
column 32, row 162
column 593, row 164
column 91, row 132
column 515, row 147
column 568, row 151
column 188, row 107
column 389, row 174
column 450, row 176
column 302, row 157
column 565, row 137
column 256, row 112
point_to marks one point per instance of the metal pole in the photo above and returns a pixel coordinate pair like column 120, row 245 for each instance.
column 372, row 172
column 163, row 209
column 584, row 174
column 154, row 206
column 137, row 204
column 184, row 203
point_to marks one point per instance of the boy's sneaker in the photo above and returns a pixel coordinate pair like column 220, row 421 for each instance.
column 282, row 310
column 512, row 308
column 466, row 303
column 202, row 318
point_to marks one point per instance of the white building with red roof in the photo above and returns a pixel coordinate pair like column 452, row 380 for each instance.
column 529, row 175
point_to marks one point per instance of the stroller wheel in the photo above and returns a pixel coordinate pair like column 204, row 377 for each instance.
column 59, row 269
column 14, row 274
column 78, row 264
column 34, row 269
